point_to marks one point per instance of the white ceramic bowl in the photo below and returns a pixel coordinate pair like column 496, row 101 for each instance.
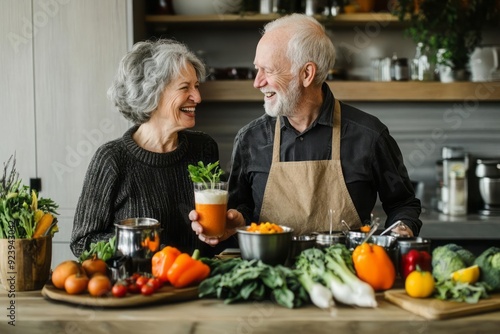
column 206, row 7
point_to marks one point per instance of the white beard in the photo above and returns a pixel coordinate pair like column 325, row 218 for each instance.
column 286, row 102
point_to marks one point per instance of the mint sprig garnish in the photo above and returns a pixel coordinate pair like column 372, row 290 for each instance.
column 205, row 174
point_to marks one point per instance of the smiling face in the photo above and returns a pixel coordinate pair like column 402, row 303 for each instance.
column 282, row 89
column 178, row 101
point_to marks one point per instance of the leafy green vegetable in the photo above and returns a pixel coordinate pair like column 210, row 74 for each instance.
column 461, row 292
column 333, row 268
column 448, row 259
column 489, row 262
column 235, row 280
column 210, row 173
column 103, row 249
column 20, row 208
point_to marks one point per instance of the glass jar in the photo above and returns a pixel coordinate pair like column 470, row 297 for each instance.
column 426, row 68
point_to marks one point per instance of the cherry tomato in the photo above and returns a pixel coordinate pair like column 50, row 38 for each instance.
column 155, row 282
column 133, row 288
column 135, row 276
column 119, row 290
column 147, row 289
column 141, row 281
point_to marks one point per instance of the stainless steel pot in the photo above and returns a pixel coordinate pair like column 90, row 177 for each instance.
column 138, row 238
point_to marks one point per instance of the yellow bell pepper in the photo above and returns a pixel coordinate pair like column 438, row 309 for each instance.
column 419, row 284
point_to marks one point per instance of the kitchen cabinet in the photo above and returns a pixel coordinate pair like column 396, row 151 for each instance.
column 242, row 90
column 55, row 75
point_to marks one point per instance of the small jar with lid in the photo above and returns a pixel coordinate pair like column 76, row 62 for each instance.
column 399, row 69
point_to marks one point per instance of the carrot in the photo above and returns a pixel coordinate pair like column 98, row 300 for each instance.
column 43, row 225
column 266, row 227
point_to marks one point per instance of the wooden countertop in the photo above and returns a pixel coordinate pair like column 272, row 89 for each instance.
column 34, row 314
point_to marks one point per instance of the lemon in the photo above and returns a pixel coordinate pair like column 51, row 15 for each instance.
column 466, row 275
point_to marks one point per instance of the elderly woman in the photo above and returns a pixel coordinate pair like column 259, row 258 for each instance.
column 145, row 172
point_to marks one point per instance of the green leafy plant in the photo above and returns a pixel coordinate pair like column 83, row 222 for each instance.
column 20, row 208
column 455, row 26
column 237, row 280
column 103, row 249
column 210, row 173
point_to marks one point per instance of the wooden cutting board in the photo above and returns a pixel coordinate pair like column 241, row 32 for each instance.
column 432, row 308
column 165, row 294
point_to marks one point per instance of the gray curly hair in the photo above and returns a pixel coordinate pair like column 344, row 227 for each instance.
column 143, row 74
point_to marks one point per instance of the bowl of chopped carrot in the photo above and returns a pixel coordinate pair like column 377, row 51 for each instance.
column 265, row 241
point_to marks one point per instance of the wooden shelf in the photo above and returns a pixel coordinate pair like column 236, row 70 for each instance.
column 255, row 20
column 366, row 91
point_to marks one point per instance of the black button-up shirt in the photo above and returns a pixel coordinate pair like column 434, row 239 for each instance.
column 371, row 161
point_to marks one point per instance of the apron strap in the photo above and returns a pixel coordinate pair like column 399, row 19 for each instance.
column 335, row 135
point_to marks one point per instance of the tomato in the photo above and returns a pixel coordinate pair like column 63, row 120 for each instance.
column 119, row 290
column 141, row 281
column 99, row 285
column 155, row 282
column 76, row 284
column 133, row 288
column 147, row 289
column 63, row 271
column 135, row 276
column 95, row 265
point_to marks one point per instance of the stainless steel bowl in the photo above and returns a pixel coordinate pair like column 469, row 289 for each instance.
column 270, row 248
column 325, row 239
column 300, row 243
column 138, row 238
column 388, row 242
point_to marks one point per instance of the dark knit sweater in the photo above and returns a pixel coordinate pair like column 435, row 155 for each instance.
column 125, row 181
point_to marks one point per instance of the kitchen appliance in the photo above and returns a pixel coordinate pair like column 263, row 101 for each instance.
column 488, row 172
column 455, row 161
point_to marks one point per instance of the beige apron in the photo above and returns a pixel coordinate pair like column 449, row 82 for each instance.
column 299, row 194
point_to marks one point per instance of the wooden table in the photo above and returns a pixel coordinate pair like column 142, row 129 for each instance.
column 34, row 314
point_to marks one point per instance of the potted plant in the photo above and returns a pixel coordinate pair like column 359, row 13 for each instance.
column 451, row 29
column 27, row 224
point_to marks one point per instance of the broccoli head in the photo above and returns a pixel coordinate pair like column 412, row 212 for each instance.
column 465, row 254
column 489, row 262
column 444, row 262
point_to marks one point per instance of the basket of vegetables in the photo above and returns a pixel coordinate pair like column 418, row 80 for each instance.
column 27, row 224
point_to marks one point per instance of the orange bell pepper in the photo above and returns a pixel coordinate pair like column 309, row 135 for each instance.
column 162, row 261
column 187, row 270
column 374, row 266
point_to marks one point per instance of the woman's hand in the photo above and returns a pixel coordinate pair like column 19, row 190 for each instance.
column 234, row 219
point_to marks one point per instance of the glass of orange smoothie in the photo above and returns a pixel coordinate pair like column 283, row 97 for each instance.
column 211, row 204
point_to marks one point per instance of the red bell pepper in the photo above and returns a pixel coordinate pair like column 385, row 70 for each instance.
column 414, row 258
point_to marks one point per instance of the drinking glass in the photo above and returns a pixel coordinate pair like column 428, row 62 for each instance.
column 211, row 205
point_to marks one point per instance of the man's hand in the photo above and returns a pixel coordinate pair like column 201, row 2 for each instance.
column 234, row 219
column 402, row 230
